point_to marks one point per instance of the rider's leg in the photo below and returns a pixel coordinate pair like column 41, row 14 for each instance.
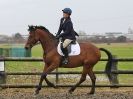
column 66, row 42
column 65, row 51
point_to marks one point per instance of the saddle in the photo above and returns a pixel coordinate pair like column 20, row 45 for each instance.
column 73, row 49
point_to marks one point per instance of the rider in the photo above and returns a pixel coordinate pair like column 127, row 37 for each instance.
column 68, row 34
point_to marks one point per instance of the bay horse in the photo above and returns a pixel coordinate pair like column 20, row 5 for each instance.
column 88, row 57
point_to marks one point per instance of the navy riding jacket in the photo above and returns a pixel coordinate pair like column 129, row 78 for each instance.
column 67, row 26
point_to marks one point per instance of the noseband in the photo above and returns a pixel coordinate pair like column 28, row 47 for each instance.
column 34, row 41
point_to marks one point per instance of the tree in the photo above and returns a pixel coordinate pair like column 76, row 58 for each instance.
column 121, row 39
column 18, row 38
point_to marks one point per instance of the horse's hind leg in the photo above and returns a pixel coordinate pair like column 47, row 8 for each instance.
column 82, row 79
column 93, row 79
column 43, row 76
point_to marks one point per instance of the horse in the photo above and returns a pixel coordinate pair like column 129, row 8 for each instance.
column 87, row 58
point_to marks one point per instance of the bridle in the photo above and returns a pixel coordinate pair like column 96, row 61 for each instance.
column 34, row 41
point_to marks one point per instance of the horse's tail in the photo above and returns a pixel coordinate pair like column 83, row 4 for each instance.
column 109, row 63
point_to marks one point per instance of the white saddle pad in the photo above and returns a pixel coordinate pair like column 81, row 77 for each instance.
column 75, row 49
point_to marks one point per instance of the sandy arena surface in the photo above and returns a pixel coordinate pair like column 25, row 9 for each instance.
column 62, row 93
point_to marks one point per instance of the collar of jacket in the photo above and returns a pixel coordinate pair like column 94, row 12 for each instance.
column 65, row 20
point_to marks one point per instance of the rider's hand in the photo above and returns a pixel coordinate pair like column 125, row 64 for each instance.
column 57, row 36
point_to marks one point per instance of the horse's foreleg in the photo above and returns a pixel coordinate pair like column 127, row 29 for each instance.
column 82, row 79
column 41, row 79
column 43, row 76
column 93, row 79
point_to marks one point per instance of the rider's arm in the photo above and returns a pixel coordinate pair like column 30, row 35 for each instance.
column 68, row 29
column 60, row 28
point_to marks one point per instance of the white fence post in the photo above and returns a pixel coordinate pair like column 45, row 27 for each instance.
column 2, row 72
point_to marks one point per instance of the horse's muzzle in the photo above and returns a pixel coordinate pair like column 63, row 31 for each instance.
column 27, row 47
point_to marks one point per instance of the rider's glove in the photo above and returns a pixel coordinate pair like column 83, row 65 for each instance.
column 57, row 36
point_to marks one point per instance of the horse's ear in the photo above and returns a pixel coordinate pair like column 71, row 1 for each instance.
column 35, row 26
column 29, row 27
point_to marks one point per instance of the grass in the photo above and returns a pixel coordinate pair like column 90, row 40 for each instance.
column 121, row 50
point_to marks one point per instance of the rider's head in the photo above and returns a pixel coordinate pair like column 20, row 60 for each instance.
column 67, row 12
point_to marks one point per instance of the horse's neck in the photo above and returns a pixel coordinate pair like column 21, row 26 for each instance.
column 47, row 43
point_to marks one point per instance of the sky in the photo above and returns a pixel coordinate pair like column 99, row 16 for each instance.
column 90, row 16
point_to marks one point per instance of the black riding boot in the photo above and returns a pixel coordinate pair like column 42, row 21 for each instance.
column 66, row 56
column 65, row 52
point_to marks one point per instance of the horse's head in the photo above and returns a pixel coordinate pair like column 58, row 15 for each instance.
column 33, row 37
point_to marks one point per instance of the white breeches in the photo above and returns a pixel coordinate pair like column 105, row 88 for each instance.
column 66, row 43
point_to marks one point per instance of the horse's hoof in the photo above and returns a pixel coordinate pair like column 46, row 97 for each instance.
column 36, row 92
column 51, row 85
column 90, row 93
column 56, row 87
column 70, row 91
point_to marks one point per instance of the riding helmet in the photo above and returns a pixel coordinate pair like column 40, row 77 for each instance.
column 67, row 10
